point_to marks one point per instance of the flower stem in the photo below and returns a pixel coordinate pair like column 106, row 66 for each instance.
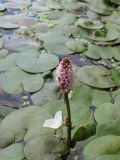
column 69, row 125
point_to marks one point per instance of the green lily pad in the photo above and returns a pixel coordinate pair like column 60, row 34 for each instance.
column 66, row 19
column 115, row 73
column 108, row 128
column 115, row 1
column 77, row 45
column 4, row 110
column 96, row 76
column 100, row 97
column 1, row 43
column 109, row 144
column 36, row 64
column 47, row 147
column 107, row 112
column 97, row 52
column 89, row 24
column 116, row 96
column 47, row 93
column 3, row 53
column 81, row 92
column 40, row 27
column 19, row 80
column 27, row 122
column 13, row 152
column 53, row 4
column 108, row 157
column 8, row 62
column 109, row 33
column 59, row 38
column 7, row 25
column 26, row 44
column 6, row 137
column 74, row 6
column 100, row 7
column 2, row 7
column 113, row 18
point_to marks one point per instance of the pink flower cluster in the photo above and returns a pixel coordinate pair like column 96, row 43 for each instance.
column 65, row 75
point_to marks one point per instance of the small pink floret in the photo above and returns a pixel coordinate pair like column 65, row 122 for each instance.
column 65, row 75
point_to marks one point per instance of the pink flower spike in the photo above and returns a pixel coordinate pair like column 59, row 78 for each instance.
column 65, row 75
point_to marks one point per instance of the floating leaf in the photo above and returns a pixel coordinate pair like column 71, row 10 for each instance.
column 6, row 137
column 96, row 76
column 108, row 128
column 107, row 112
column 89, row 24
column 2, row 7
column 47, row 147
column 109, row 33
column 12, row 152
column 47, row 93
column 19, row 80
column 103, row 145
column 35, row 64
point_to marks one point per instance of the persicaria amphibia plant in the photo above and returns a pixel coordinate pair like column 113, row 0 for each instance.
column 65, row 78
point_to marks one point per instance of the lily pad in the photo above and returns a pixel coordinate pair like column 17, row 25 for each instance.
column 96, row 76
column 3, row 53
column 47, row 147
column 109, row 144
column 81, row 92
column 40, row 27
column 36, row 64
column 77, row 45
column 108, row 157
column 1, row 43
column 75, row 7
column 8, row 62
column 100, row 7
column 4, row 111
column 108, row 128
column 97, row 52
column 2, row 7
column 100, row 97
column 115, row 1
column 13, row 152
column 47, row 93
column 7, row 25
column 107, row 112
column 109, row 33
column 19, row 80
column 6, row 137
column 24, row 119
column 89, row 24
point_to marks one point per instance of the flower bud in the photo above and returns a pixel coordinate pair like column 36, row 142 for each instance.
column 65, row 75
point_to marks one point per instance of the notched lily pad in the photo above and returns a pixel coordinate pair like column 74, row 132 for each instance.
column 47, row 147
column 19, row 80
column 109, row 33
column 77, row 45
column 95, row 76
column 37, row 63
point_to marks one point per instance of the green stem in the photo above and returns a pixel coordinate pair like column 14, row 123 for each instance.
column 69, row 125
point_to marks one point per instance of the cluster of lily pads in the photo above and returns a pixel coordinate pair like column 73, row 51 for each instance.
column 38, row 36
